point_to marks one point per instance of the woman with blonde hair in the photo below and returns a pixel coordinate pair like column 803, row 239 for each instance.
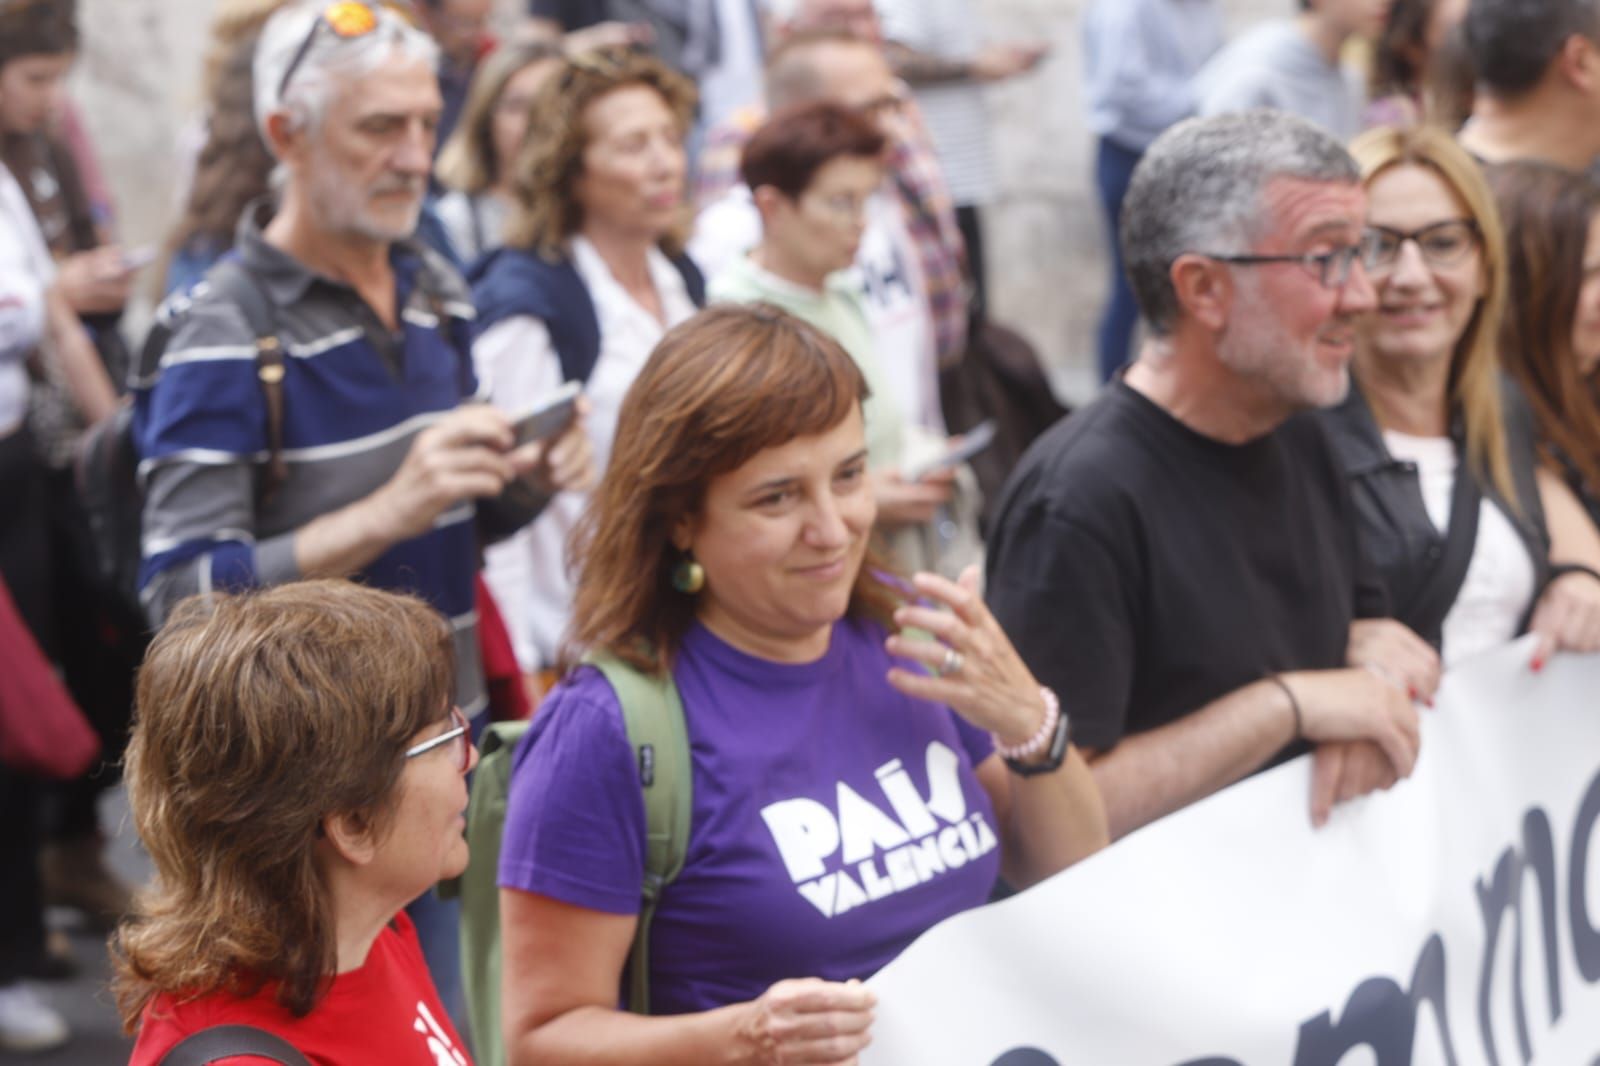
column 591, row 276
column 475, row 163
column 850, row 788
column 298, row 775
column 1475, row 540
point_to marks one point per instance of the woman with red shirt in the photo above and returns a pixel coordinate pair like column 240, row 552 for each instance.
column 298, row 775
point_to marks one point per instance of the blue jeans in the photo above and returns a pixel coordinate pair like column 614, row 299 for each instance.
column 1113, row 168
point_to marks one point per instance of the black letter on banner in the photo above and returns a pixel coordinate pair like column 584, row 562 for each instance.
column 1378, row 1004
column 1502, row 893
column 1025, row 1056
column 1539, row 852
column 1585, row 938
column 1379, row 1015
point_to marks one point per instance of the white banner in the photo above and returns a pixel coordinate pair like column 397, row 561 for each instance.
column 1452, row 921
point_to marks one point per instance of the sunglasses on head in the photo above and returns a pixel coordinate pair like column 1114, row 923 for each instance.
column 347, row 19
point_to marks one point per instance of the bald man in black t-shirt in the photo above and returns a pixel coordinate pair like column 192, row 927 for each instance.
column 1178, row 560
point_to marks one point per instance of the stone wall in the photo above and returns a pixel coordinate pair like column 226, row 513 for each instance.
column 137, row 84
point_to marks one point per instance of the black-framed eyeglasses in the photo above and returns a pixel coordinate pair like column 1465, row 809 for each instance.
column 459, row 734
column 1442, row 244
column 1331, row 268
column 348, row 19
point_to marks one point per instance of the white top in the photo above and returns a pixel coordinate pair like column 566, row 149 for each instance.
column 1499, row 583
column 516, row 367
column 475, row 224
column 955, row 112
column 26, row 271
column 888, row 274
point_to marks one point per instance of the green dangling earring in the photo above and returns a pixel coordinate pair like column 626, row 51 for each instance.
column 688, row 577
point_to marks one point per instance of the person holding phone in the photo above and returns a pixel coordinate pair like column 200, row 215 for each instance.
column 589, row 279
column 811, row 170
column 392, row 473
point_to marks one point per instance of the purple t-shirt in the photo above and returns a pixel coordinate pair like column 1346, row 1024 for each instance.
column 834, row 818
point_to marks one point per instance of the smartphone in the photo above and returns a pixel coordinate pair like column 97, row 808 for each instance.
column 549, row 417
column 972, row 442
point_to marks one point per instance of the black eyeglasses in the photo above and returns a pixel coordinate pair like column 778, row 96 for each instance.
column 348, row 19
column 1442, row 244
column 459, row 735
column 1331, row 268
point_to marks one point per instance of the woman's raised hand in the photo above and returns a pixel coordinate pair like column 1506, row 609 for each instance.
column 977, row 672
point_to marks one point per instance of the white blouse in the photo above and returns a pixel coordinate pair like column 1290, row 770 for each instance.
column 517, row 366
column 26, row 270
column 1499, row 583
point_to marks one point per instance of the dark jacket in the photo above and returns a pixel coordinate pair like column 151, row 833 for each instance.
column 509, row 282
column 1422, row 569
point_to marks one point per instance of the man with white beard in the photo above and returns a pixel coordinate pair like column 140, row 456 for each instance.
column 337, row 441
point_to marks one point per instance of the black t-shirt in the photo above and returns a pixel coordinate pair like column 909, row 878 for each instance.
column 1144, row 570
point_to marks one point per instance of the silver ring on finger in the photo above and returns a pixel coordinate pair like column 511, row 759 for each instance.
column 952, row 662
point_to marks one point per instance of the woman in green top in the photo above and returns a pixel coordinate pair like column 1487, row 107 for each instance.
column 813, row 170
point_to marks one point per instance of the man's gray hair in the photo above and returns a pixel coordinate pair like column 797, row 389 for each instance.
column 1200, row 188
column 328, row 59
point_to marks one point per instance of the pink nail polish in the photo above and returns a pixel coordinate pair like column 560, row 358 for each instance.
column 1537, row 664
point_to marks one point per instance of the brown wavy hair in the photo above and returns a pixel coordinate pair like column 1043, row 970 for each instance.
column 234, row 165
column 720, row 388
column 1474, row 383
column 258, row 716
column 467, row 162
column 546, row 214
column 1548, row 210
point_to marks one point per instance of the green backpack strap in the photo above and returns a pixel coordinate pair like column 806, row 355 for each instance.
column 653, row 713
column 479, row 889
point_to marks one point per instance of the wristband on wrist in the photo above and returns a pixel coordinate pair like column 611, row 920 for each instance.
column 1559, row 570
column 1050, row 738
column 1294, row 705
column 1041, row 736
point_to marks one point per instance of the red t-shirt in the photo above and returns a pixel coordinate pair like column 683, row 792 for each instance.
column 385, row 1012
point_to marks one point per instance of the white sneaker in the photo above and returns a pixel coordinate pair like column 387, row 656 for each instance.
column 28, row 1023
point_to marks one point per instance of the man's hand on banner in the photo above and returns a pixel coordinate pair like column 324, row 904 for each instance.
column 1353, row 705
column 1567, row 617
column 1392, row 651
column 1344, row 770
column 808, row 1020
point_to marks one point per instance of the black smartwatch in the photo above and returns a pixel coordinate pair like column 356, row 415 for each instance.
column 1053, row 758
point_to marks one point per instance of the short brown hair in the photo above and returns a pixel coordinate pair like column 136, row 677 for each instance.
column 789, row 149
column 37, row 28
column 720, row 388
column 259, row 715
column 550, row 160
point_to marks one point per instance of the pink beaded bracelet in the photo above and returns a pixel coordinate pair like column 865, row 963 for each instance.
column 1036, row 743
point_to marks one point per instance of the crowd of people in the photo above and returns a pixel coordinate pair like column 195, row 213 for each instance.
column 622, row 390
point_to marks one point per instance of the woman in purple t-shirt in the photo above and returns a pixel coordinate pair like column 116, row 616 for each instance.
column 845, row 799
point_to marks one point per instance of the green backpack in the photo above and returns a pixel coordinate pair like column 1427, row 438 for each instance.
column 653, row 713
